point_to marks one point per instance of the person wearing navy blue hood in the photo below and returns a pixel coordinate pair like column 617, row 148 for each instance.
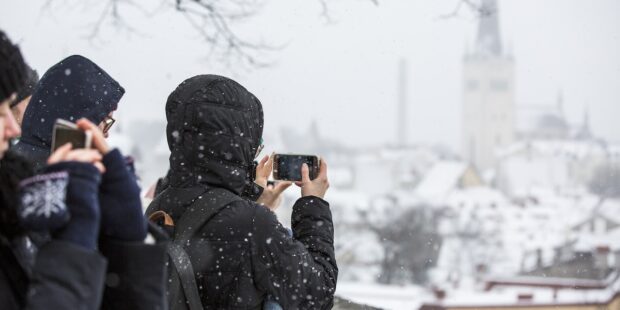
column 78, row 90
column 72, row 89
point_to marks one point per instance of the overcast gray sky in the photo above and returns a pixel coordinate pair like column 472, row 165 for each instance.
column 343, row 74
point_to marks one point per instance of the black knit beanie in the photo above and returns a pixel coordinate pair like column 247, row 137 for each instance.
column 12, row 68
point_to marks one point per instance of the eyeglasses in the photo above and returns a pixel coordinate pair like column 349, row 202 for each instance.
column 108, row 121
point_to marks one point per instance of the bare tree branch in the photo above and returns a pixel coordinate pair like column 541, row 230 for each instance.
column 215, row 28
column 213, row 20
column 471, row 5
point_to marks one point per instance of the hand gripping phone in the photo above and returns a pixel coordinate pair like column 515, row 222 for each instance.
column 68, row 132
column 287, row 167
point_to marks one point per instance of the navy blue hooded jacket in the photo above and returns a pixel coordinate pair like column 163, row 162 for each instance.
column 73, row 88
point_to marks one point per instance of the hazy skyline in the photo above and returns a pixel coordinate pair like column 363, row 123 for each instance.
column 344, row 74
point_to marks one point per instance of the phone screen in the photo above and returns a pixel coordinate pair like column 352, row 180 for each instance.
column 288, row 167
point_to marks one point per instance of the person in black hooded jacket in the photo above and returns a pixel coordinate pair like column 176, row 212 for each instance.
column 243, row 254
column 77, row 88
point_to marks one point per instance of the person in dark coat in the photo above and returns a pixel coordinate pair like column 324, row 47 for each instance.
column 77, row 88
column 68, row 272
column 243, row 253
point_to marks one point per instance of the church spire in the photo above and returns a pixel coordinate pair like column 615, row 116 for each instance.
column 488, row 41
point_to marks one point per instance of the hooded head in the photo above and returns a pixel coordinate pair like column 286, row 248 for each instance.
column 214, row 128
column 73, row 88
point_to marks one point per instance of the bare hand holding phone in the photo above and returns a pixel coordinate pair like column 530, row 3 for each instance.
column 66, row 153
column 271, row 196
column 317, row 187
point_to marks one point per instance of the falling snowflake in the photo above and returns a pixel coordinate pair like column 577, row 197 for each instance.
column 44, row 195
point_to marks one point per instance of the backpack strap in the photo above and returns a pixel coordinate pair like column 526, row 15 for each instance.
column 202, row 209
column 184, row 278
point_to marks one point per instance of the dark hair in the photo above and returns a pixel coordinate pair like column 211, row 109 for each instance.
column 13, row 169
column 12, row 68
column 32, row 78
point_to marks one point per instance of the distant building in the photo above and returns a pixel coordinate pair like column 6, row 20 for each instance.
column 369, row 296
column 534, row 293
column 445, row 177
column 542, row 122
column 604, row 218
column 488, row 93
column 563, row 165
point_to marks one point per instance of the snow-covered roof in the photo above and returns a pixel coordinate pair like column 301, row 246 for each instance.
column 519, row 175
column 384, row 296
column 589, row 242
column 476, row 196
column 610, row 209
column 484, row 227
column 541, row 292
column 440, row 180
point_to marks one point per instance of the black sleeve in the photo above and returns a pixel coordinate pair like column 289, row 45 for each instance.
column 66, row 276
column 299, row 272
column 136, row 275
column 252, row 191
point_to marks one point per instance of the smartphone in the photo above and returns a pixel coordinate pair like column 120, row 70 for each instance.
column 68, row 132
column 288, row 167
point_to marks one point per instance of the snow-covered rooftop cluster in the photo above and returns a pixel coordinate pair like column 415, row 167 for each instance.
column 535, row 291
column 542, row 214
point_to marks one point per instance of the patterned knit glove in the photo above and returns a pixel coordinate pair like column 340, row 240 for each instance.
column 63, row 200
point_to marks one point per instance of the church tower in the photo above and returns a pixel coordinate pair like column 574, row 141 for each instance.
column 488, row 114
